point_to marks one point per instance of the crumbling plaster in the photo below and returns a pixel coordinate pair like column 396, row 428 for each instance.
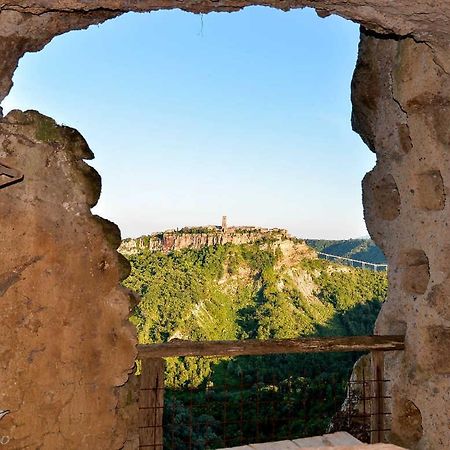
column 65, row 344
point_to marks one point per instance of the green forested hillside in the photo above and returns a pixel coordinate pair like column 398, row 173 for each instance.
column 251, row 291
column 360, row 249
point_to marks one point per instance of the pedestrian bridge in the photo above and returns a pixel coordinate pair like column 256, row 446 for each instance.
column 353, row 262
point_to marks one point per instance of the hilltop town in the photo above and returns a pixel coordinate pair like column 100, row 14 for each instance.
column 203, row 236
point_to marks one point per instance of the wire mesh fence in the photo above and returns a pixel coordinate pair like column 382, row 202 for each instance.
column 264, row 405
column 360, row 413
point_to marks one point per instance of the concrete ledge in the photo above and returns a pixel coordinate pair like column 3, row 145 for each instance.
column 335, row 441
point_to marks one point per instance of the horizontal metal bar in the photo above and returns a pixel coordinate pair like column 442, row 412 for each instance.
column 367, row 381
column 375, row 397
column 269, row 347
column 364, row 416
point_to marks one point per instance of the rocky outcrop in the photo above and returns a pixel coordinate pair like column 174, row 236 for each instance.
column 66, row 346
column 197, row 238
column 401, row 98
column 27, row 26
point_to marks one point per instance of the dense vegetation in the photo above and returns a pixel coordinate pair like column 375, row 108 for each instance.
column 251, row 291
column 360, row 249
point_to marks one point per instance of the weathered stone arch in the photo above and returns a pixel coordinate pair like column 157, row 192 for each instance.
column 62, row 368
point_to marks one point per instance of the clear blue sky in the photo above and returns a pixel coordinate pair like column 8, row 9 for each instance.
column 245, row 114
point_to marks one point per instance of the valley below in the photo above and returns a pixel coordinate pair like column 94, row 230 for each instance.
column 242, row 284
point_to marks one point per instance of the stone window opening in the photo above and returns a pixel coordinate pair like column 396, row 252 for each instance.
column 400, row 95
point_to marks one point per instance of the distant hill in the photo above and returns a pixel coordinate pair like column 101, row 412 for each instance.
column 268, row 289
column 360, row 249
column 196, row 287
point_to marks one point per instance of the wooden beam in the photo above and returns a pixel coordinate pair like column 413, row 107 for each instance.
column 378, row 389
column 270, row 347
column 151, row 404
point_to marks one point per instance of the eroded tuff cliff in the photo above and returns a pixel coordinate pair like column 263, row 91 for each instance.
column 61, row 299
column 401, row 99
column 197, row 238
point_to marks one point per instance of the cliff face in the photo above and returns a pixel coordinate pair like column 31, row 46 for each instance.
column 197, row 238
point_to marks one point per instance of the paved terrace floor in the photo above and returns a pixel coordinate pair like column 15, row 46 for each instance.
column 336, row 441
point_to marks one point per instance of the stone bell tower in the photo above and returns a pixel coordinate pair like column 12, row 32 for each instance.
column 224, row 223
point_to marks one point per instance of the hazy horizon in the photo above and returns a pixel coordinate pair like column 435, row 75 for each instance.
column 193, row 117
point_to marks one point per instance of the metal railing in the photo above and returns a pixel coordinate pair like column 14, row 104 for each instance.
column 152, row 389
column 353, row 262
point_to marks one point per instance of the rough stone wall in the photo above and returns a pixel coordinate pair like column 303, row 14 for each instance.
column 66, row 345
column 401, row 99
column 28, row 25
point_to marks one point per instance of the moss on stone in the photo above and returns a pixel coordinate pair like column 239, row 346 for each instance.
column 47, row 130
